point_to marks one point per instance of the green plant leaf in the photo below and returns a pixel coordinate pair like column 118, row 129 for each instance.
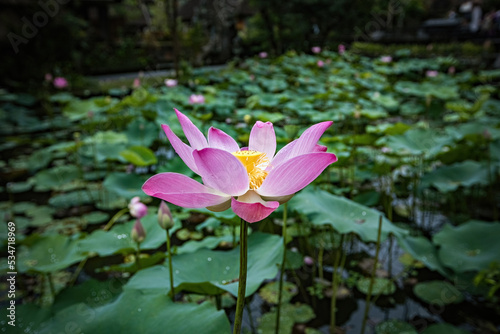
column 139, row 156
column 438, row 292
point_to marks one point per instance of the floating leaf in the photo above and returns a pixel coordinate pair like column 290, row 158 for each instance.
column 125, row 185
column 394, row 327
column 438, row 292
column 444, row 328
column 449, row 178
column 139, row 156
column 290, row 314
column 270, row 292
column 381, row 286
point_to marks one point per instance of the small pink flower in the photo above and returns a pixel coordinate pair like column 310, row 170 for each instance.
column 137, row 83
column 386, row 59
column 385, row 149
column 196, row 99
column 341, row 49
column 48, row 77
column 309, row 261
column 320, row 63
column 60, row 82
column 170, row 82
column 431, row 74
column 316, row 49
column 138, row 234
column 137, row 208
column 263, row 54
column 451, row 70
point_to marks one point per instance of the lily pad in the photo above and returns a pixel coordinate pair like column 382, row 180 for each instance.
column 444, row 328
column 438, row 292
column 270, row 292
column 470, row 246
column 344, row 215
column 55, row 177
column 381, row 286
column 417, row 142
column 139, row 156
column 289, row 315
column 449, row 178
column 213, row 272
column 125, row 185
column 395, row 327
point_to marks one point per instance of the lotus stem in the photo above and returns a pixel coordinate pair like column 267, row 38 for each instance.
column 170, row 268
column 372, row 278
column 138, row 256
column 242, row 282
column 115, row 218
column 282, row 270
column 337, row 271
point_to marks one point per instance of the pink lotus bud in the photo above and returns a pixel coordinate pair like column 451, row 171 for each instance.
column 196, row 99
column 263, row 54
column 137, row 83
column 170, row 82
column 309, row 261
column 137, row 209
column 165, row 216
column 316, row 49
column 386, row 59
column 138, row 234
column 60, row 82
column 341, row 48
column 321, row 63
column 431, row 74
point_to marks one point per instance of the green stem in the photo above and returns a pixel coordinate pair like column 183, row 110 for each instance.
column 170, row 268
column 372, row 278
column 115, row 218
column 78, row 271
column 138, row 256
column 51, row 286
column 242, row 282
column 337, row 271
column 282, row 270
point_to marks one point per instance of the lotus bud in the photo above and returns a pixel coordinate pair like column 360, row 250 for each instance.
column 137, row 209
column 138, row 234
column 165, row 216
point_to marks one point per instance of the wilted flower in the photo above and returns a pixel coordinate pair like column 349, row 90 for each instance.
column 138, row 234
column 320, row 63
column 170, row 82
column 252, row 181
column 431, row 74
column 165, row 216
column 137, row 83
column 386, row 59
column 137, row 208
column 196, row 99
column 60, row 82
column 263, row 54
column 341, row 49
column 316, row 49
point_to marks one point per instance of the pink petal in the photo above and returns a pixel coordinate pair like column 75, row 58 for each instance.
column 184, row 151
column 183, row 191
column 263, row 139
column 305, row 144
column 251, row 208
column 221, row 140
column 295, row 174
column 222, row 171
column 319, row 148
column 192, row 133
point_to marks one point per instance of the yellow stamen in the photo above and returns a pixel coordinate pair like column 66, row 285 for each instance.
column 254, row 163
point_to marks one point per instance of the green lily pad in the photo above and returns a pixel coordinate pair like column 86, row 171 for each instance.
column 421, row 249
column 395, row 327
column 48, row 254
column 344, row 215
column 135, row 312
column 96, row 217
column 449, row 178
column 125, row 185
column 289, row 315
column 381, row 286
column 438, row 292
column 417, row 142
column 470, row 246
column 55, row 177
column 213, row 272
column 140, row 132
column 74, row 198
column 270, row 292
column 139, row 156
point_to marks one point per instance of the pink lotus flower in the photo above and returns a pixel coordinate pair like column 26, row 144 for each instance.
column 137, row 209
column 253, row 181
column 263, row 54
column 138, row 234
column 60, row 82
column 137, row 83
column 341, row 49
column 196, row 99
column 316, row 49
column 431, row 74
column 320, row 63
column 386, row 59
column 170, row 82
